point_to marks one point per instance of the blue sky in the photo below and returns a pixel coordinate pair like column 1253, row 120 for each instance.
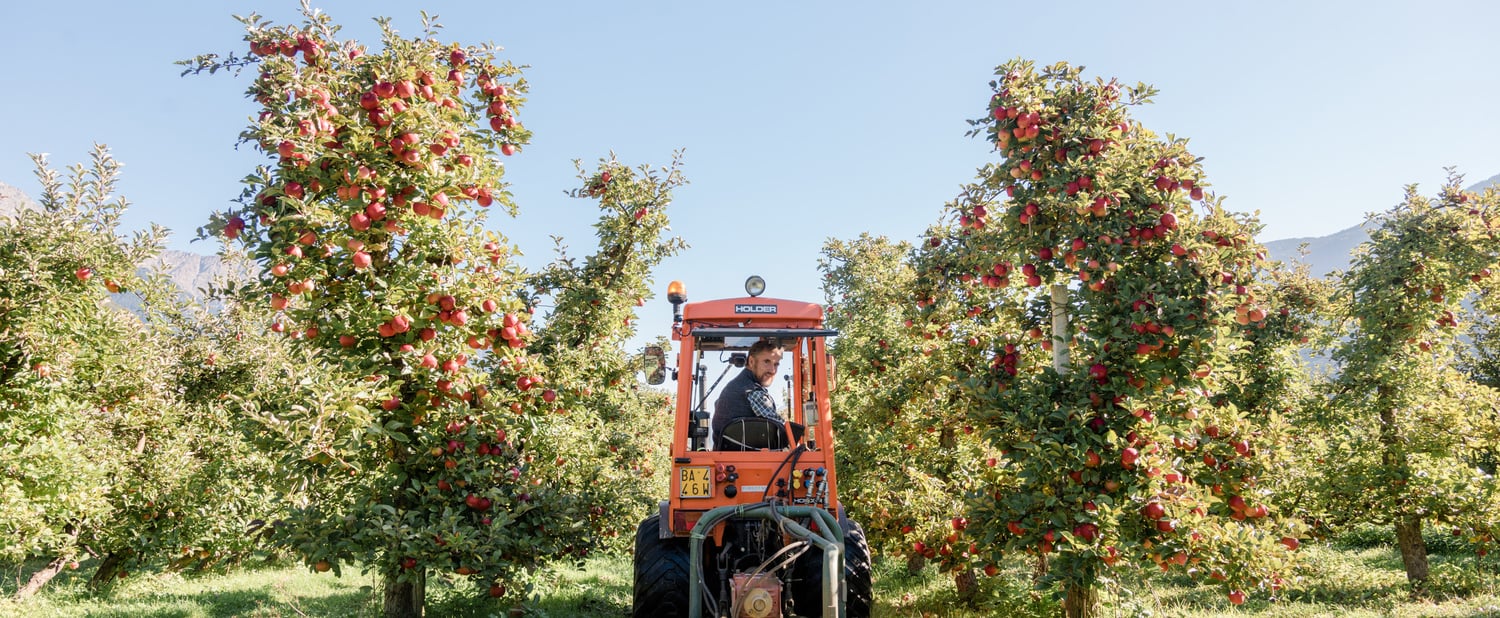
column 802, row 121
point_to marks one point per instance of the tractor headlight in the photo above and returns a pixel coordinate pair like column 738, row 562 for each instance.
column 755, row 286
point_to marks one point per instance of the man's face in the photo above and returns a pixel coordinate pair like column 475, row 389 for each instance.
column 763, row 366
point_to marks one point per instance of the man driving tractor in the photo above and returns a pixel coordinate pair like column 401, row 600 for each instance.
column 748, row 394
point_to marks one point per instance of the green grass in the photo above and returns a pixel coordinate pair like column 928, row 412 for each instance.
column 600, row 589
column 1355, row 582
column 251, row 592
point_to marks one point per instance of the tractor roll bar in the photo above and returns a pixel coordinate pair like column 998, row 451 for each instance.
column 786, row 333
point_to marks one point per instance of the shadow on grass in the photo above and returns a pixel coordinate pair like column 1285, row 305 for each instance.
column 337, row 604
column 253, row 589
column 1336, row 582
column 600, row 588
column 898, row 592
column 230, row 603
column 226, row 604
column 1347, row 583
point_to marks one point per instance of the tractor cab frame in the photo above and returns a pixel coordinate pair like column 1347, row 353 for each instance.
column 755, row 521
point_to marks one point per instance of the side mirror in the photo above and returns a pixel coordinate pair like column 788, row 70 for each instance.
column 654, row 363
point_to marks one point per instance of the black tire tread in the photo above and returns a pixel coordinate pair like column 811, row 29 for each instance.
column 860, row 594
column 858, row 572
column 661, row 573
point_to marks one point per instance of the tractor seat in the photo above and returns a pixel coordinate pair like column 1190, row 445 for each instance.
column 752, row 434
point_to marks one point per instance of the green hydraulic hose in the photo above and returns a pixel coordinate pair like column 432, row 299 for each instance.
column 829, row 538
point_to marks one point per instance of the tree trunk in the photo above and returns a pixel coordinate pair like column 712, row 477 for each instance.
column 40, row 578
column 1082, row 601
column 1041, row 570
column 966, row 582
column 180, row 563
column 1408, row 525
column 1413, row 551
column 108, row 567
column 405, row 599
column 948, row 438
column 105, row 574
column 914, row 563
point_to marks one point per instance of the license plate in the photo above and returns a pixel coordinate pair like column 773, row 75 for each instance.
column 695, row 482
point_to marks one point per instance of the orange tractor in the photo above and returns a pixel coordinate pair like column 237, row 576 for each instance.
column 753, row 527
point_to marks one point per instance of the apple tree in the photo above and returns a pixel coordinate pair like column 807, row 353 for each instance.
column 1406, row 426
column 431, row 447
column 1480, row 360
column 224, row 355
column 196, row 491
column 1280, row 387
column 907, row 452
column 62, row 348
column 620, row 434
column 1125, row 447
column 100, row 454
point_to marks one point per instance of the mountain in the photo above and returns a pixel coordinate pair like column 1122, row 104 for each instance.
column 190, row 272
column 1326, row 254
column 12, row 201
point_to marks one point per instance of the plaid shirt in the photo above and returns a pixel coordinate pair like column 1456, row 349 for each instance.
column 762, row 403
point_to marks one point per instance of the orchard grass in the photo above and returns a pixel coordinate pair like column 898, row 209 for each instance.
column 1347, row 582
column 253, row 590
column 1341, row 581
column 600, row 587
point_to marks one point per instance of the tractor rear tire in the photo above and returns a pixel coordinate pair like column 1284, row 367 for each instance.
column 661, row 573
column 858, row 578
column 859, row 595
